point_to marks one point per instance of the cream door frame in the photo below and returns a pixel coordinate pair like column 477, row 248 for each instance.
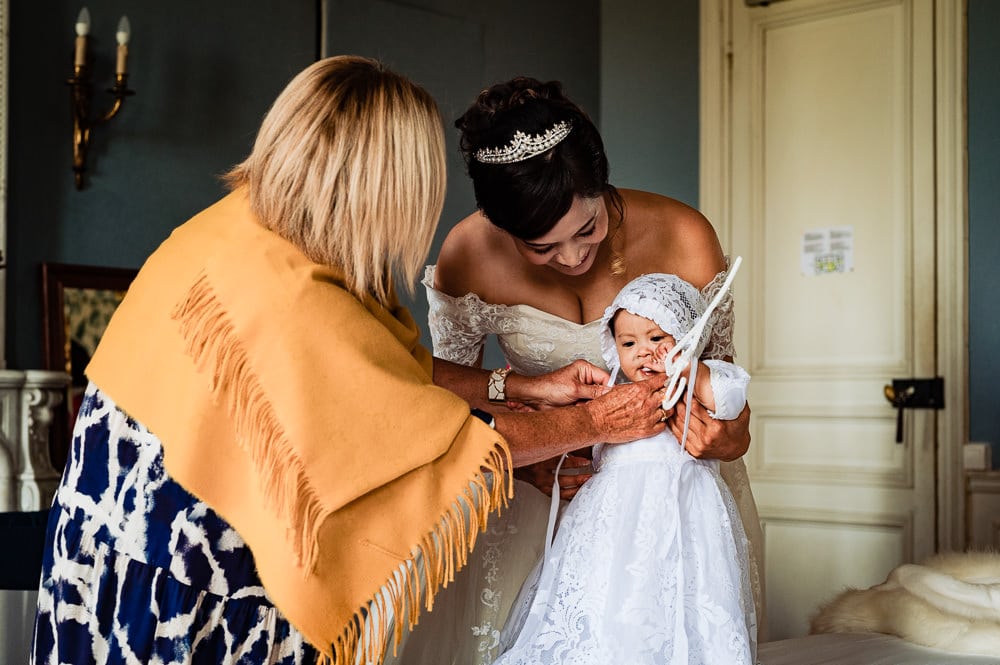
column 951, row 204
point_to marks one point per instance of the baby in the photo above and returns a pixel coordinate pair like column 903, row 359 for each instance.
column 649, row 563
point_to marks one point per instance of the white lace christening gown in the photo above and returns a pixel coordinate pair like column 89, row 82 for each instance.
column 464, row 626
column 649, row 566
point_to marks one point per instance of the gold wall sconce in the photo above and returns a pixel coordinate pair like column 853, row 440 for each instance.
column 81, row 89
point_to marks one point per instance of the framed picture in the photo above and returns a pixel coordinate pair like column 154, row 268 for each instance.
column 77, row 304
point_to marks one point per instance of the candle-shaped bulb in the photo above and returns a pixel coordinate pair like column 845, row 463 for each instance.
column 83, row 23
column 122, row 35
column 124, row 31
column 82, row 28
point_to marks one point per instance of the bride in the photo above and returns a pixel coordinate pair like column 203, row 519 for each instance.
column 551, row 244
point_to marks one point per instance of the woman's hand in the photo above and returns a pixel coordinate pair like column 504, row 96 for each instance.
column 630, row 411
column 709, row 438
column 624, row 413
column 580, row 380
column 576, row 470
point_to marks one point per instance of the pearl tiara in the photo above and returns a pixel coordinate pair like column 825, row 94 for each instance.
column 524, row 146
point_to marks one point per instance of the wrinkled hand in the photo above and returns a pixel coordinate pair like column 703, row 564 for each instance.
column 542, row 475
column 630, row 411
column 580, row 380
column 709, row 438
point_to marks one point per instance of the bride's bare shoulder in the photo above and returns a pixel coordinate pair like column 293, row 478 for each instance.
column 663, row 218
column 471, row 252
column 667, row 235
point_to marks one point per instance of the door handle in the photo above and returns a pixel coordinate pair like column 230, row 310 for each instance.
column 914, row 394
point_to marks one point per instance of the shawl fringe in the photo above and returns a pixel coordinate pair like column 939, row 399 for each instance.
column 443, row 551
column 211, row 341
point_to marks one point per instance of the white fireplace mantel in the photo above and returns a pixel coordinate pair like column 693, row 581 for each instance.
column 29, row 401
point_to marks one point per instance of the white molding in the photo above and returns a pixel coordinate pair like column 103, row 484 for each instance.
column 982, row 510
column 901, row 522
column 714, row 56
column 950, row 39
column 778, row 514
column 984, row 482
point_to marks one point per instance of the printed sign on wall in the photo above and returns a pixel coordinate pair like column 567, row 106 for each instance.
column 828, row 250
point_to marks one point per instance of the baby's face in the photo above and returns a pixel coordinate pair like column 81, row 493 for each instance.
column 641, row 343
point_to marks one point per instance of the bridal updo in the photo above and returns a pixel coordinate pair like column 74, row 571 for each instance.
column 526, row 197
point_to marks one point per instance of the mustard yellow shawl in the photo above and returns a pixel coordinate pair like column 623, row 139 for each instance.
column 307, row 419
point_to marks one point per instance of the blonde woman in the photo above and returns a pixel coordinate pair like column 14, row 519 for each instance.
column 262, row 455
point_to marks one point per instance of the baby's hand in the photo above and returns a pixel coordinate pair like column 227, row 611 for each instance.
column 661, row 351
column 678, row 365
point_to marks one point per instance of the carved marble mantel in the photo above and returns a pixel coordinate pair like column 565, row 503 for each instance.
column 29, row 401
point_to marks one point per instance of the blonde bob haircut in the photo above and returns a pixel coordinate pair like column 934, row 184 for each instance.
column 349, row 165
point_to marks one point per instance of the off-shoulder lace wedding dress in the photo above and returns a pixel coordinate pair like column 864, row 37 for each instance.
column 465, row 625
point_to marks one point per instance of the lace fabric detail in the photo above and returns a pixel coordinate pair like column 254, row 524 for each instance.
column 533, row 342
column 464, row 626
column 722, row 321
column 667, row 300
column 738, row 481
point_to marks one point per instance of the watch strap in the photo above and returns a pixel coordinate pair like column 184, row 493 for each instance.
column 496, row 387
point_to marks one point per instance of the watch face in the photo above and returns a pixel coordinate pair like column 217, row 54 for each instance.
column 485, row 416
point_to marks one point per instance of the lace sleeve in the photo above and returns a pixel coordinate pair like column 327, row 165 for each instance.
column 457, row 328
column 720, row 340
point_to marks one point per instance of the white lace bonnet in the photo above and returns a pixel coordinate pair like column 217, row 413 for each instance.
column 666, row 300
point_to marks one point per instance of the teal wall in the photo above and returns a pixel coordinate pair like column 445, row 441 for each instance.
column 649, row 95
column 204, row 74
column 984, row 223
column 456, row 48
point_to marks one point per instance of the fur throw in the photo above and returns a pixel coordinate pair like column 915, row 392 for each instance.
column 950, row 602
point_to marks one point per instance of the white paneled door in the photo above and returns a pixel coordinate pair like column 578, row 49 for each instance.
column 829, row 194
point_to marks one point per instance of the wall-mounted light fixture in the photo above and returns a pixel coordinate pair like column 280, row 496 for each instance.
column 81, row 89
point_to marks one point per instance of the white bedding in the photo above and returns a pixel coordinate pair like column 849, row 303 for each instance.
column 859, row 649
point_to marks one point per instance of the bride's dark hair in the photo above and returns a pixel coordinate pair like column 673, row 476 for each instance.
column 528, row 197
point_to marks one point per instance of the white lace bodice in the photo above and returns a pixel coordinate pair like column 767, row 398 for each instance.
column 533, row 341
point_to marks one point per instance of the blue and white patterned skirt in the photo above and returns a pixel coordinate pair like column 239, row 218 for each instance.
column 137, row 570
